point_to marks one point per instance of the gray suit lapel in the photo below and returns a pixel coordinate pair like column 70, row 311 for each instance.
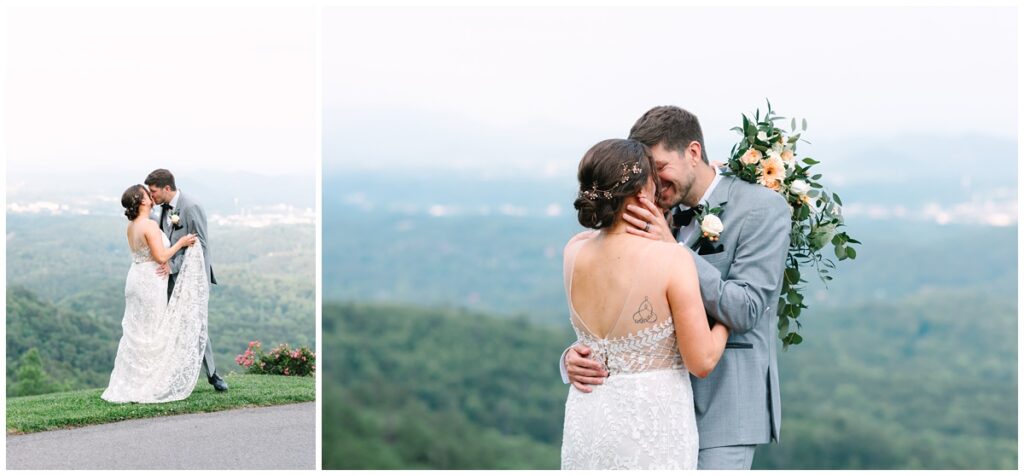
column 170, row 226
column 718, row 196
column 721, row 192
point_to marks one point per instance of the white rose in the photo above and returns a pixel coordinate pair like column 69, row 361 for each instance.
column 712, row 226
column 799, row 187
column 175, row 219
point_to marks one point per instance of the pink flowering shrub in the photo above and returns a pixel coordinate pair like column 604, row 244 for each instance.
column 281, row 360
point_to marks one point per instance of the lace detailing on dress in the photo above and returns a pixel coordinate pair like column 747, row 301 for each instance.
column 142, row 254
column 632, row 421
column 642, row 416
column 650, row 348
column 160, row 353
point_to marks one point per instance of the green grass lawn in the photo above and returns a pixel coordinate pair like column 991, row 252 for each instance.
column 85, row 407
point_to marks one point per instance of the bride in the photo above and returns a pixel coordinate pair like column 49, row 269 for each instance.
column 160, row 353
column 636, row 303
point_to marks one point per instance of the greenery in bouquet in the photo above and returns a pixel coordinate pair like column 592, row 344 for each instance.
column 767, row 155
column 281, row 360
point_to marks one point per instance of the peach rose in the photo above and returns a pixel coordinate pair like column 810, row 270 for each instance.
column 752, row 156
column 788, row 157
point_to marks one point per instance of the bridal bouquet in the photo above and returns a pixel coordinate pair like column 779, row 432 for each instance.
column 766, row 154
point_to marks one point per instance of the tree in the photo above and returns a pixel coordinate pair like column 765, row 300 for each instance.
column 30, row 377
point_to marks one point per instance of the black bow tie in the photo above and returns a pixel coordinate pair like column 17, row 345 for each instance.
column 166, row 206
column 682, row 218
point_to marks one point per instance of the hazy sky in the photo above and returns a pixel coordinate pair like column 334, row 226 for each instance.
column 133, row 89
column 411, row 84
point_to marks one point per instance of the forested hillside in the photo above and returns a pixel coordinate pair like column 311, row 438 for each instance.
column 65, row 294
column 925, row 382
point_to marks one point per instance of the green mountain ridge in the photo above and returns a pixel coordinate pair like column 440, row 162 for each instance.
column 916, row 383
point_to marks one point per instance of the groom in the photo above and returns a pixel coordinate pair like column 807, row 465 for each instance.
column 179, row 215
column 737, row 405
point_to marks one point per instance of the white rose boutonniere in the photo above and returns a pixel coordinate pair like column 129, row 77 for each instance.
column 175, row 219
column 711, row 227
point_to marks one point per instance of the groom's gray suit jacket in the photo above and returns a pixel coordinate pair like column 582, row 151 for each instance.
column 192, row 220
column 740, row 283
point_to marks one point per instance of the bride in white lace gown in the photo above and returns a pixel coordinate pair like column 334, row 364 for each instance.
column 636, row 303
column 160, row 352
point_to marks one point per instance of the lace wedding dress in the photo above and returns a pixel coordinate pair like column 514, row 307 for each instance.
column 642, row 416
column 160, row 353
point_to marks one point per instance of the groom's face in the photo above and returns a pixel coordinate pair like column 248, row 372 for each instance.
column 160, row 195
column 676, row 175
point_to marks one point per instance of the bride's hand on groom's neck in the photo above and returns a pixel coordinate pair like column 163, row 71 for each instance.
column 648, row 221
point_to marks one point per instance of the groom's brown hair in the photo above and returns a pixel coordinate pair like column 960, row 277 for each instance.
column 673, row 126
column 161, row 178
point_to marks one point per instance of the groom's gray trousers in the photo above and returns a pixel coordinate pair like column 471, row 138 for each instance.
column 211, row 368
column 726, row 457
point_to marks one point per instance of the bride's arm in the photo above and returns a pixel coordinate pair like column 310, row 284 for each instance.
column 156, row 244
column 700, row 347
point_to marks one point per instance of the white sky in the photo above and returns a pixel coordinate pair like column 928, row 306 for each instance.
column 538, row 74
column 140, row 88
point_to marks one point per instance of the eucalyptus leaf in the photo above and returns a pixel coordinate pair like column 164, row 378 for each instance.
column 840, row 252
column 792, row 275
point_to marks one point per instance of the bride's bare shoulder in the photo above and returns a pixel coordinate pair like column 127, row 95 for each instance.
column 149, row 225
column 581, row 236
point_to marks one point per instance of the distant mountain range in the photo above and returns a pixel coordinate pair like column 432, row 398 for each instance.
column 965, row 180
column 231, row 195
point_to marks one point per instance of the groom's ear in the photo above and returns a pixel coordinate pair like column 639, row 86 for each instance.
column 694, row 151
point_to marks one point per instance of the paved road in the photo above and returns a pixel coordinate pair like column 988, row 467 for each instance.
column 278, row 437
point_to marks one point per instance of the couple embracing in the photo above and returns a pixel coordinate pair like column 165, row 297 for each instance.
column 167, row 290
column 672, row 294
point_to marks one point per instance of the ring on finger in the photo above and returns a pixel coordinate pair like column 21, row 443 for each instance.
column 647, row 227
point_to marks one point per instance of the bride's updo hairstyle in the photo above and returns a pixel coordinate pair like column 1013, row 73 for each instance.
column 610, row 171
column 131, row 199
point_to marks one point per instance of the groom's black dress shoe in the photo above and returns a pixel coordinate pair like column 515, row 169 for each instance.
column 218, row 383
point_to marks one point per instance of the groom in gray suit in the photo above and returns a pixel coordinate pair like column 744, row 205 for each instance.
column 179, row 215
column 737, row 405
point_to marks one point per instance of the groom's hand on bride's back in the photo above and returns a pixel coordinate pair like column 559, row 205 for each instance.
column 163, row 270
column 582, row 370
